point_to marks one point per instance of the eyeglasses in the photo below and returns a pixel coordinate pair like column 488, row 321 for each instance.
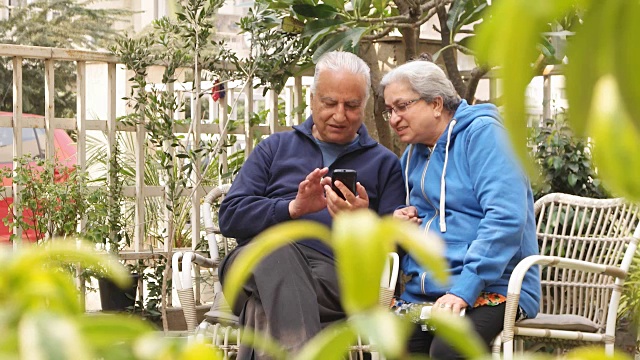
column 398, row 109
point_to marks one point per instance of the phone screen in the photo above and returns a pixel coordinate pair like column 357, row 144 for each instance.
column 346, row 176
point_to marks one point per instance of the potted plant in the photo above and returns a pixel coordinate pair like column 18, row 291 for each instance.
column 107, row 232
column 57, row 200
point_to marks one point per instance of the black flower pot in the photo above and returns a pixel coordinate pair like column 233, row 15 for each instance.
column 114, row 298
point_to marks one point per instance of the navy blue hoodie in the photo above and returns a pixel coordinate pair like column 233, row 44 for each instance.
column 269, row 179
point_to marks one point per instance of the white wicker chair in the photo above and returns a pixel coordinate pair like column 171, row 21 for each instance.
column 220, row 326
column 586, row 247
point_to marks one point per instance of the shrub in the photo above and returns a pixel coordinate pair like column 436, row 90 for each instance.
column 54, row 197
column 564, row 162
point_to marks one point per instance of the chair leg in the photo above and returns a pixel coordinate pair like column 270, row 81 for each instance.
column 608, row 349
column 496, row 347
column 519, row 346
column 508, row 350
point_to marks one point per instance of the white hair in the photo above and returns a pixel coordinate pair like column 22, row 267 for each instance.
column 427, row 79
column 342, row 60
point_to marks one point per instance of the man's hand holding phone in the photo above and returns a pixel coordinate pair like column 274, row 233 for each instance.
column 345, row 193
column 347, row 177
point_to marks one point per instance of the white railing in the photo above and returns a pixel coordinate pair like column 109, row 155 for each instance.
column 101, row 84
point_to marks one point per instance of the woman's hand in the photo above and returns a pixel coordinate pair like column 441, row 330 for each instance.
column 409, row 213
column 449, row 303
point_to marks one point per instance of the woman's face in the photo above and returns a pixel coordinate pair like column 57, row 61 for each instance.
column 420, row 122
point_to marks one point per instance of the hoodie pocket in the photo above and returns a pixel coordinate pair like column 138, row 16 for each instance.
column 424, row 284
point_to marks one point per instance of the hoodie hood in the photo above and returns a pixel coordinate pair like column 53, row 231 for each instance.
column 464, row 116
column 462, row 119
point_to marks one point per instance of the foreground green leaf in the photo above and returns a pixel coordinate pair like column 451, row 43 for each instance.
column 626, row 54
column 105, row 330
column 616, row 140
column 426, row 248
column 264, row 244
column 47, row 336
column 587, row 66
column 331, row 343
column 458, row 332
column 386, row 331
column 361, row 249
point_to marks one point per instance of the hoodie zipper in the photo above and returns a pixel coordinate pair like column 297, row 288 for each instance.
column 428, row 224
column 424, row 195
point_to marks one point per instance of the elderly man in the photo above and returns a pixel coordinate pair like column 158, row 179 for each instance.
column 294, row 292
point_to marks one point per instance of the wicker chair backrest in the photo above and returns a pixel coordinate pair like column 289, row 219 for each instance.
column 593, row 230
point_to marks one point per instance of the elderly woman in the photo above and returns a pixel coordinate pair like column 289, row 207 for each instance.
column 464, row 184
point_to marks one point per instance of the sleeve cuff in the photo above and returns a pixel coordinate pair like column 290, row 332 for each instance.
column 281, row 211
column 467, row 287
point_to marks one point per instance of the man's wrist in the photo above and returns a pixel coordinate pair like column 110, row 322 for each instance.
column 292, row 210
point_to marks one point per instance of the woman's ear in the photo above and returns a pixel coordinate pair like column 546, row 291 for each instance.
column 438, row 106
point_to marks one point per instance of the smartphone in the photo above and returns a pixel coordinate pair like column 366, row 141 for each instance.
column 346, row 176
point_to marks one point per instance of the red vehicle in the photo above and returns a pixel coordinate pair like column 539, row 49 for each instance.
column 34, row 143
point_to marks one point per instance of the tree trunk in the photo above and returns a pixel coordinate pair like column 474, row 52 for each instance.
column 448, row 55
column 410, row 36
column 410, row 39
column 378, row 128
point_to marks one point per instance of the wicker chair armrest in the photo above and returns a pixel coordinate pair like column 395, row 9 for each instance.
column 515, row 282
column 207, row 216
column 205, row 262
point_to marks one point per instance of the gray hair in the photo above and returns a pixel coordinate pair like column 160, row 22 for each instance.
column 342, row 60
column 427, row 79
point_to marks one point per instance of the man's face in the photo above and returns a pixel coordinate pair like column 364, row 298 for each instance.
column 337, row 106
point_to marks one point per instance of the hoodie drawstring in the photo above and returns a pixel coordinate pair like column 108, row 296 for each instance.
column 406, row 176
column 443, row 223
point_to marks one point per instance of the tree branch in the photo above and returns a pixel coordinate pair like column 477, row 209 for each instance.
column 434, row 3
column 472, row 84
column 393, row 19
column 429, row 15
column 462, row 49
column 380, row 35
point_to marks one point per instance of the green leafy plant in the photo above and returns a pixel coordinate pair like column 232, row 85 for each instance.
column 274, row 53
column 601, row 85
column 174, row 159
column 564, row 162
column 41, row 316
column 54, row 198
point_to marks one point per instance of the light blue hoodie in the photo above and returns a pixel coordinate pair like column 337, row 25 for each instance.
column 470, row 190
